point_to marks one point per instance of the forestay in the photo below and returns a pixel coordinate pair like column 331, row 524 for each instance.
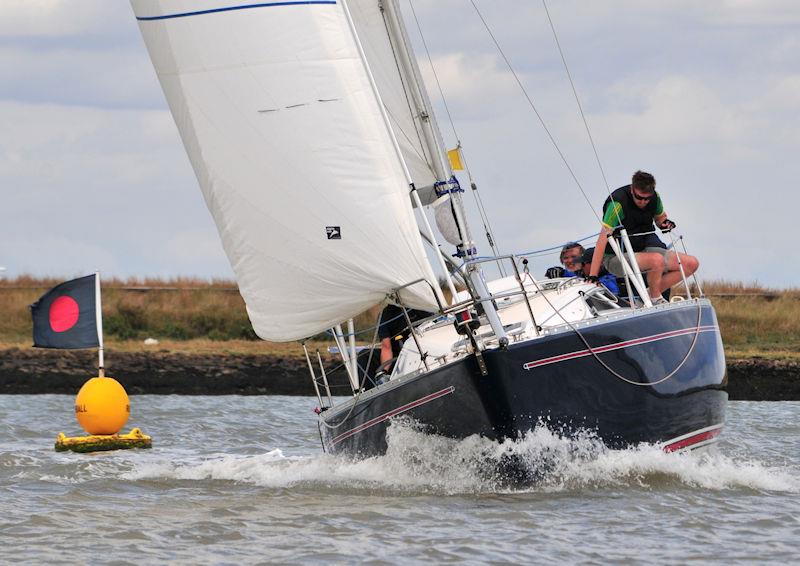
column 295, row 162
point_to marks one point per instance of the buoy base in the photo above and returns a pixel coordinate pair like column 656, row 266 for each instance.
column 100, row 443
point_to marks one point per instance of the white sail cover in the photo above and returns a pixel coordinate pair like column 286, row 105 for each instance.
column 297, row 167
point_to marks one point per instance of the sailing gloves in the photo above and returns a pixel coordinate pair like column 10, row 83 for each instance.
column 667, row 224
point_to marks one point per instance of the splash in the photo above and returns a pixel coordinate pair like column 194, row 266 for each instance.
column 542, row 461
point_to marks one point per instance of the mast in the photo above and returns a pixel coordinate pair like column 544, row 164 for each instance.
column 424, row 112
column 439, row 161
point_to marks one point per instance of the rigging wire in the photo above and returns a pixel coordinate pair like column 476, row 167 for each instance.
column 361, row 388
column 577, row 99
column 535, row 110
column 487, row 226
column 563, row 158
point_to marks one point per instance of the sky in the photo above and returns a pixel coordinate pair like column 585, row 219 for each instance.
column 704, row 95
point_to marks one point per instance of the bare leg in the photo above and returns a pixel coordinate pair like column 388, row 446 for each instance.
column 386, row 350
column 653, row 264
column 673, row 275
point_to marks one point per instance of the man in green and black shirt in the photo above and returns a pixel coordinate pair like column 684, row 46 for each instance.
column 636, row 207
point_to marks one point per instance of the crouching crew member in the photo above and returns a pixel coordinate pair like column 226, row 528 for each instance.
column 636, row 207
column 576, row 261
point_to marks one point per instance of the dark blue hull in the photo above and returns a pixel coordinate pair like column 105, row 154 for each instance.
column 656, row 376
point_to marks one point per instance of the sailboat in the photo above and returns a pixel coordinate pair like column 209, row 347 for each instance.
column 318, row 154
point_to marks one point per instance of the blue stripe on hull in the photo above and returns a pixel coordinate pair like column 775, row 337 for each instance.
column 231, row 8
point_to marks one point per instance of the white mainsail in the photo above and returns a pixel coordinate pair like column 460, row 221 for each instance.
column 296, row 164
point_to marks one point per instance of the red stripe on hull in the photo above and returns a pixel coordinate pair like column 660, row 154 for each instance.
column 394, row 412
column 692, row 440
column 617, row 346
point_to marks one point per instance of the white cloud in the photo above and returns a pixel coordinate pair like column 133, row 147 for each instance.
column 58, row 18
column 704, row 94
column 62, row 141
column 53, row 255
column 98, row 188
column 195, row 248
column 750, row 13
column 466, row 80
column 675, row 110
column 83, row 76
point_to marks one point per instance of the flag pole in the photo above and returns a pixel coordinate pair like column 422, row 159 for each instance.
column 98, row 307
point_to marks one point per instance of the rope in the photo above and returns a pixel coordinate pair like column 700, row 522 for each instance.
column 558, row 247
column 602, row 363
column 537, row 253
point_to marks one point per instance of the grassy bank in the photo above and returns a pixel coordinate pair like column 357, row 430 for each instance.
column 184, row 315
column 757, row 321
column 198, row 316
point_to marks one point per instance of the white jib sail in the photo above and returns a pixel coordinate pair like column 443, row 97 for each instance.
column 293, row 157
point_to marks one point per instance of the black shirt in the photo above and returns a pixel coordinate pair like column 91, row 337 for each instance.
column 393, row 323
column 634, row 219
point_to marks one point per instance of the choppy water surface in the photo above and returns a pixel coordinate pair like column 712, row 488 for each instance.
column 243, row 480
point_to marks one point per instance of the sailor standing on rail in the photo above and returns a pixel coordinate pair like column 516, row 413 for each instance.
column 636, row 207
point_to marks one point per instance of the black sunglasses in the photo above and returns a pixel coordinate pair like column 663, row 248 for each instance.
column 647, row 198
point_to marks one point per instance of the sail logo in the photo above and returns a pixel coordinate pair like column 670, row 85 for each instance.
column 334, row 232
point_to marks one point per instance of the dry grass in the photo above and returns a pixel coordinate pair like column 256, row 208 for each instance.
column 756, row 320
column 208, row 317
column 723, row 287
column 175, row 309
column 185, row 315
column 228, row 347
column 290, row 350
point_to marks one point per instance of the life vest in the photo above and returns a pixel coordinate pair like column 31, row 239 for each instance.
column 634, row 219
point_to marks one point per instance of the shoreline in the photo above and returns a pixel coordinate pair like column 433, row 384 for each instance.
column 30, row 371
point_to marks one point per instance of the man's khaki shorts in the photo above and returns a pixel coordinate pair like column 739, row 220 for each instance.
column 612, row 264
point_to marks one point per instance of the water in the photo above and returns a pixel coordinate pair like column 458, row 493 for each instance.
column 235, row 480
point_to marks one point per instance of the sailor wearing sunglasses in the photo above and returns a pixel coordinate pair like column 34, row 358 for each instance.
column 636, row 207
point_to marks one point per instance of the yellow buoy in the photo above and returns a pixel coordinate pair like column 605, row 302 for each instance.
column 102, row 406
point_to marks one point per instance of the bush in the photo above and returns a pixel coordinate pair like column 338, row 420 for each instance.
column 128, row 322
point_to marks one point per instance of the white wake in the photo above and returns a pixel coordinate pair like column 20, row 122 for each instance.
column 541, row 461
